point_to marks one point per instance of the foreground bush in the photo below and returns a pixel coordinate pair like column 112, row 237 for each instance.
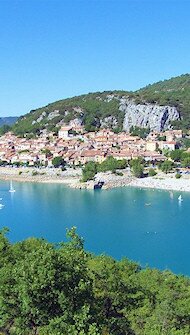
column 48, row 289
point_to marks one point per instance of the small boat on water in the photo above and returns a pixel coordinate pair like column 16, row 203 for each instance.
column 11, row 190
column 180, row 198
column 1, row 206
column 148, row 204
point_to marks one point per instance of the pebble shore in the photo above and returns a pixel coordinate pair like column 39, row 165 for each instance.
column 169, row 183
column 71, row 178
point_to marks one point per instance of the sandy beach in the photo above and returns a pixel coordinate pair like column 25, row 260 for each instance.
column 71, row 178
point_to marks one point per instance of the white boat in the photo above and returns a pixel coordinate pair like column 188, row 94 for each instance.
column 180, row 198
column 1, row 206
column 11, row 190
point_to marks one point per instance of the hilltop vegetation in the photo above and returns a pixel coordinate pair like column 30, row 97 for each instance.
column 173, row 92
column 102, row 109
column 91, row 109
column 61, row 289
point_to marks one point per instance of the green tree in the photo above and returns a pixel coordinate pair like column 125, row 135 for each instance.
column 47, row 152
column 186, row 162
column 112, row 294
column 138, row 171
column 138, row 131
column 137, row 167
column 89, row 171
column 58, row 161
column 112, row 164
column 161, row 138
column 186, row 142
column 152, row 172
column 176, row 155
column 167, row 166
column 43, row 285
column 62, row 289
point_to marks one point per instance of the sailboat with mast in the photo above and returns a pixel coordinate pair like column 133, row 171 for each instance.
column 11, row 190
column 180, row 199
column 1, row 205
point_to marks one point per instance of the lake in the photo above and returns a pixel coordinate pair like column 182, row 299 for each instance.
column 147, row 226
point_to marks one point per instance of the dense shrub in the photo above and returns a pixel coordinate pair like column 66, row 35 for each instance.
column 110, row 164
column 152, row 172
column 63, row 290
column 137, row 167
column 167, row 166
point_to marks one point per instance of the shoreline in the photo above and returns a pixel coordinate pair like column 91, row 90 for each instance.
column 165, row 184
column 72, row 179
column 43, row 176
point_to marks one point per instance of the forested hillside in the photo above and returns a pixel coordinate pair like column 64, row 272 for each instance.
column 61, row 289
column 90, row 109
column 172, row 92
column 95, row 110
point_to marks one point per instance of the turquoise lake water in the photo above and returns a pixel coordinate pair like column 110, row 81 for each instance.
column 116, row 222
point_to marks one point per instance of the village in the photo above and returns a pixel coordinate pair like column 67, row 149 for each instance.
column 77, row 147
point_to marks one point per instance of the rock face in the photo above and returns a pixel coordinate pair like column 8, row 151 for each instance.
column 109, row 122
column 147, row 115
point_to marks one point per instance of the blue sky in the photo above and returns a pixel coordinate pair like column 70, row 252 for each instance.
column 51, row 49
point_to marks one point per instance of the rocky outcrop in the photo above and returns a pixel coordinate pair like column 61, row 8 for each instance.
column 104, row 111
column 109, row 122
column 53, row 114
column 147, row 115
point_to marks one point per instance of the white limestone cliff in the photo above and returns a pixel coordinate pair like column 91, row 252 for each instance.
column 147, row 115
